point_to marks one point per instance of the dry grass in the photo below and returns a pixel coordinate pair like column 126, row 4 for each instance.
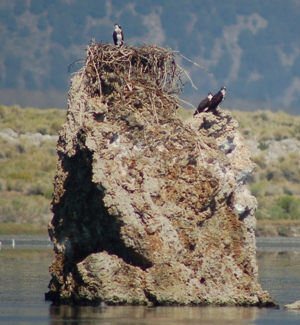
column 27, row 168
column 12, row 228
column 267, row 125
column 31, row 119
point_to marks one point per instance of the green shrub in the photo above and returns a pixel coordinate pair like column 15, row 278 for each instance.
column 258, row 188
column 276, row 212
column 24, row 209
column 19, row 175
column 260, row 161
column 263, row 146
column 264, row 116
column 290, row 207
column 15, row 185
column 290, row 167
column 273, row 189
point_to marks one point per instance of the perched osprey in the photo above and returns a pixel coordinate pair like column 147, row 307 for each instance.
column 204, row 104
column 118, row 35
column 217, row 98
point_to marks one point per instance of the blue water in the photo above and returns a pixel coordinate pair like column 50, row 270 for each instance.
column 24, row 277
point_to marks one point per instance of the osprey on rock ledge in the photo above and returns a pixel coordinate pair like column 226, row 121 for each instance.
column 204, row 104
column 217, row 98
column 118, row 35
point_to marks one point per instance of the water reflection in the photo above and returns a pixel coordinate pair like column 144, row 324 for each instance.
column 24, row 277
column 279, row 274
column 158, row 315
column 278, row 244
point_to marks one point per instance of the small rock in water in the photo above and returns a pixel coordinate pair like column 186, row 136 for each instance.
column 293, row 306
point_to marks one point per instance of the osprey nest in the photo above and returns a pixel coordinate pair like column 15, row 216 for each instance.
column 135, row 77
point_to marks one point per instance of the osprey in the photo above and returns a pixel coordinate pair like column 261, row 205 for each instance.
column 118, row 35
column 217, row 98
column 204, row 104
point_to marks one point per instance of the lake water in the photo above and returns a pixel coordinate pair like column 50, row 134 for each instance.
column 24, row 278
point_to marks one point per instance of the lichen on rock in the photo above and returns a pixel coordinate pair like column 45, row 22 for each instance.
column 149, row 209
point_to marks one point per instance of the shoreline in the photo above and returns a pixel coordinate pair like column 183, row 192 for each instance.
column 278, row 228
column 264, row 228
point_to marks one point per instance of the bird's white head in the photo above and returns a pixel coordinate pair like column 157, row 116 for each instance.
column 118, row 28
column 223, row 91
column 210, row 96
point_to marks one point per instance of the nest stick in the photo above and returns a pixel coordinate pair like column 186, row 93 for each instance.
column 193, row 85
column 196, row 64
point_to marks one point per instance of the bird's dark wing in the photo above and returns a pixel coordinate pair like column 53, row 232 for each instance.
column 216, row 100
column 205, row 103
column 115, row 38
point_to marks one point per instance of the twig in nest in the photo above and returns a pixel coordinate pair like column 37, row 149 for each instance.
column 152, row 101
column 196, row 64
column 187, row 103
column 132, row 76
column 96, row 70
column 193, row 85
column 75, row 63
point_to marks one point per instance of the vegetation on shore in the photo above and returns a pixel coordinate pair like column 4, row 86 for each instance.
column 13, row 228
column 28, row 162
column 27, row 166
column 275, row 181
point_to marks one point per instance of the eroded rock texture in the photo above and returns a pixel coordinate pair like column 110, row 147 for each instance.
column 148, row 209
